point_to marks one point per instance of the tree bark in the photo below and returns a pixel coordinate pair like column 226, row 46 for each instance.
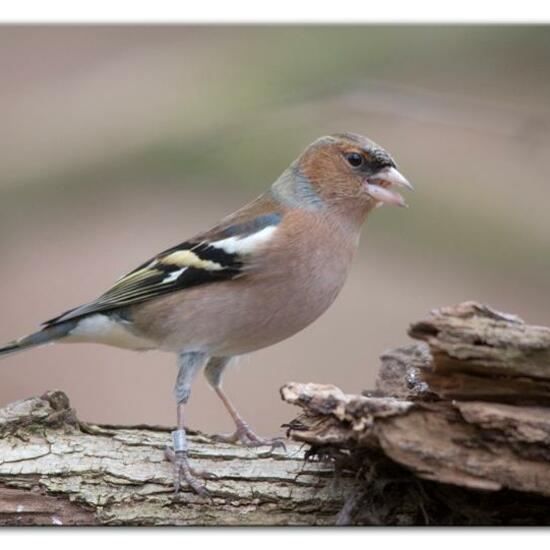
column 55, row 470
column 456, row 432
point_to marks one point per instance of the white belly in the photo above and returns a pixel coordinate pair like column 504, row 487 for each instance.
column 100, row 329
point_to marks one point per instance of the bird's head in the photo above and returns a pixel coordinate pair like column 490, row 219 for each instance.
column 348, row 172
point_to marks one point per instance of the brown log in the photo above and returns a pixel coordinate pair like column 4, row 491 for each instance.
column 480, row 353
column 461, row 420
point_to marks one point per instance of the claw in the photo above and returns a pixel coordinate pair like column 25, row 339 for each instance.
column 278, row 442
column 248, row 438
column 183, row 471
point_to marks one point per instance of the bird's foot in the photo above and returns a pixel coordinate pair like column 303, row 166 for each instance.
column 182, row 469
column 244, row 435
column 183, row 472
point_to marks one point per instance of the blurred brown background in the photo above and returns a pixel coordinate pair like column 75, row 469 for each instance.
column 118, row 142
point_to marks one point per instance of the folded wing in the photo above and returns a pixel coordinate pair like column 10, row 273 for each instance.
column 219, row 256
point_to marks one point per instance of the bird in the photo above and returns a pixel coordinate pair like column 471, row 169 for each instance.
column 259, row 276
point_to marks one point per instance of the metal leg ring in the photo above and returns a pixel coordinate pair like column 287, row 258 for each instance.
column 179, row 439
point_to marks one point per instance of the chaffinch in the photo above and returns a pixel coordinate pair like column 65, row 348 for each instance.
column 259, row 276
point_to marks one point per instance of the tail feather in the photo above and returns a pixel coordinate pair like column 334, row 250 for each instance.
column 12, row 347
column 44, row 336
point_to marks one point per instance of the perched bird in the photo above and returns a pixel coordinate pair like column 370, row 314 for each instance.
column 261, row 275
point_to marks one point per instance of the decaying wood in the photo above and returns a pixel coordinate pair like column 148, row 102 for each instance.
column 468, row 408
column 55, row 470
column 479, row 353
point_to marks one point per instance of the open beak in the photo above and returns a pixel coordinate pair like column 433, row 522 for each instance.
column 378, row 186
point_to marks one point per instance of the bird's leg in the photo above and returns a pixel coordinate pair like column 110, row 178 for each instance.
column 243, row 432
column 189, row 364
column 178, row 457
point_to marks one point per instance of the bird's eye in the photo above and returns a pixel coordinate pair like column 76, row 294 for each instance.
column 354, row 159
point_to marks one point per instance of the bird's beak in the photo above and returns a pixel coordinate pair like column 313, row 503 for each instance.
column 378, row 186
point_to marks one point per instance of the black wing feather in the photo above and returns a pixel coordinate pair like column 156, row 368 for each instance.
column 186, row 265
column 152, row 279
